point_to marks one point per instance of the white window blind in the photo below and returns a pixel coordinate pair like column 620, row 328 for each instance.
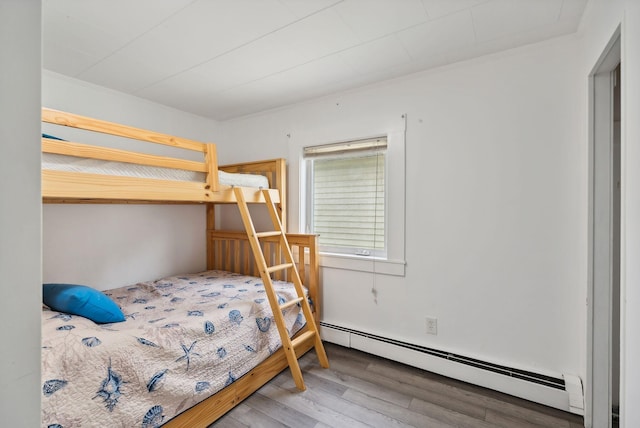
column 347, row 196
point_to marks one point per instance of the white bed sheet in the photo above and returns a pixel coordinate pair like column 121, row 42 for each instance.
column 95, row 166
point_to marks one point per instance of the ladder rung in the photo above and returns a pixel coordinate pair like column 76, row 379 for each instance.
column 279, row 267
column 267, row 234
column 302, row 338
column 291, row 303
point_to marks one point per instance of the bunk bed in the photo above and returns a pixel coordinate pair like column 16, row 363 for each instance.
column 283, row 266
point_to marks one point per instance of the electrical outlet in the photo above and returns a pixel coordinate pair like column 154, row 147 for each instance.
column 432, row 325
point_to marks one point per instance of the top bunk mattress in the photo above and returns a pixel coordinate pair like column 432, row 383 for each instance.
column 95, row 166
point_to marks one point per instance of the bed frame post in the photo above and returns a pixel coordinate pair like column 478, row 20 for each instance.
column 281, row 182
column 211, row 159
column 314, row 276
column 211, row 225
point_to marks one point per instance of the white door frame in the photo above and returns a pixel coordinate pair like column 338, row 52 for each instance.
column 599, row 308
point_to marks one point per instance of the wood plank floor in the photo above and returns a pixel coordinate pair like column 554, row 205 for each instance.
column 361, row 390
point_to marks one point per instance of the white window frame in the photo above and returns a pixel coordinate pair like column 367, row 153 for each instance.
column 394, row 128
column 344, row 150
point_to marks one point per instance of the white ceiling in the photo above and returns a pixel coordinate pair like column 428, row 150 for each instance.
column 227, row 58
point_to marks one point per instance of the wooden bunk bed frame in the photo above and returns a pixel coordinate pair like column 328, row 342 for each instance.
column 226, row 250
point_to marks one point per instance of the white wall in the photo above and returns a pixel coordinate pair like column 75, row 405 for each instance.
column 601, row 19
column 495, row 207
column 20, row 386
column 106, row 246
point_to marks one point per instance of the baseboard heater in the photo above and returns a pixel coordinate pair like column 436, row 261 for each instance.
column 549, row 381
column 567, row 397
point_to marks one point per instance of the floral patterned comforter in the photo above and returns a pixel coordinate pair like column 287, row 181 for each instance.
column 184, row 338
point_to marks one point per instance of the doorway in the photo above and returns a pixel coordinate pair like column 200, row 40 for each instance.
column 603, row 340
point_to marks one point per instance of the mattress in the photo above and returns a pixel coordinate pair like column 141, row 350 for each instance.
column 184, row 338
column 57, row 162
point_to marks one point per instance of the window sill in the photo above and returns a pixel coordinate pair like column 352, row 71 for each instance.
column 363, row 264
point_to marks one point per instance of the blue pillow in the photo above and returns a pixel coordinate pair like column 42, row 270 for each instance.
column 52, row 137
column 81, row 300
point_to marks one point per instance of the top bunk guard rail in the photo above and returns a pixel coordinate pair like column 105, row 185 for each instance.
column 89, row 124
column 85, row 187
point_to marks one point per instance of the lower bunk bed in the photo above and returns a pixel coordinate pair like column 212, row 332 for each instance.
column 191, row 348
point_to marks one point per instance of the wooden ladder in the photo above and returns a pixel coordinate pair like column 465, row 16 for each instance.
column 312, row 332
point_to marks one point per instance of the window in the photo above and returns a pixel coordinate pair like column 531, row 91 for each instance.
column 346, row 196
